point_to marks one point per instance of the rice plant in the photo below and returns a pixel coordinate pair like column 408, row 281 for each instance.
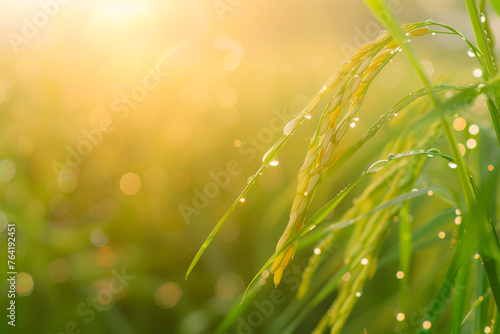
column 337, row 277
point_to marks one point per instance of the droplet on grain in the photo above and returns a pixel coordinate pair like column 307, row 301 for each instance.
column 274, row 163
column 452, row 165
column 470, row 53
column 352, row 124
column 242, row 200
column 290, row 127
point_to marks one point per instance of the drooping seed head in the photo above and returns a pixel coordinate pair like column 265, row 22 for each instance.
column 364, row 49
column 381, row 56
column 419, row 31
column 348, row 65
column 382, row 38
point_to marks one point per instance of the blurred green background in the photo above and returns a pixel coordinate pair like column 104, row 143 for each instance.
column 182, row 93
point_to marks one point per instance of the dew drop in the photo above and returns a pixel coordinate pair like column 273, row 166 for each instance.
column 390, row 155
column 432, row 151
column 470, row 53
column 452, row 165
column 268, row 154
column 483, row 18
column 376, row 166
column 290, row 127
column 352, row 124
column 250, row 179
column 274, row 163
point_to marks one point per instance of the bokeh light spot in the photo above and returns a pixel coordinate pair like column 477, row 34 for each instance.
column 24, row 284
column 473, row 129
column 98, row 237
column 67, row 182
column 59, row 270
column 471, row 143
column 459, row 124
column 168, row 295
column 7, row 170
column 104, row 257
column 130, row 184
column 3, row 221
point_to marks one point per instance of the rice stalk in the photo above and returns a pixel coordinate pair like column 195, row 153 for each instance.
column 353, row 79
column 362, row 204
column 362, row 251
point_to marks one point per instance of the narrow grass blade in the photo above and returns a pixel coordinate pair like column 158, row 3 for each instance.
column 405, row 251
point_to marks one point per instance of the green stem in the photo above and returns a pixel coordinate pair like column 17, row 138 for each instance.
column 489, row 69
column 481, row 38
column 461, row 298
